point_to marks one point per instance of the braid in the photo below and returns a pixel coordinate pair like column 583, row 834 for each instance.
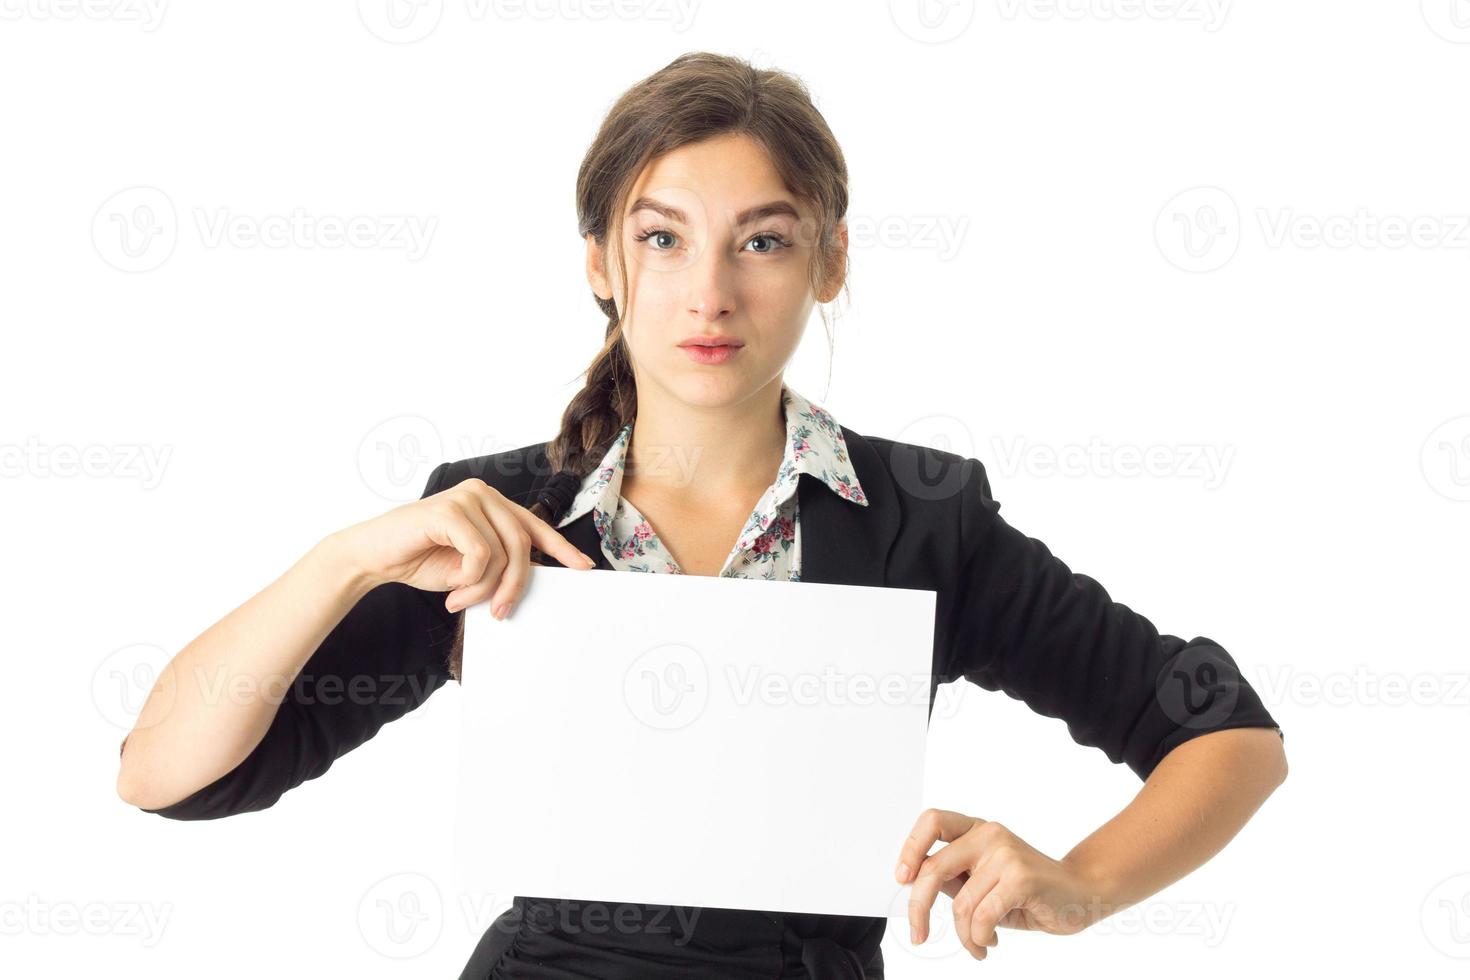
column 606, row 403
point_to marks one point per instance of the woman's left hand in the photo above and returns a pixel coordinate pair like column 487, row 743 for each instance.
column 995, row 879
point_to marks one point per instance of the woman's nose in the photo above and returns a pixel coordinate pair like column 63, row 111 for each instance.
column 711, row 287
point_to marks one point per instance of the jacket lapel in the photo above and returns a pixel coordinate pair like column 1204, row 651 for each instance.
column 842, row 543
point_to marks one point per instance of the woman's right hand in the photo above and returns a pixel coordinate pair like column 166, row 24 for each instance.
column 468, row 538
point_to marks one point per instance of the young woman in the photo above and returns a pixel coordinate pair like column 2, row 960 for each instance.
column 712, row 203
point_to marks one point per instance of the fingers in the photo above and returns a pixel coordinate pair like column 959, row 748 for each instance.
column 983, row 918
column 972, row 909
column 550, row 541
column 937, row 869
column 932, row 826
column 455, row 529
column 517, row 544
column 483, row 555
column 510, row 530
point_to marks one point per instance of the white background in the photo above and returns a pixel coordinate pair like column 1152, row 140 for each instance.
column 1037, row 273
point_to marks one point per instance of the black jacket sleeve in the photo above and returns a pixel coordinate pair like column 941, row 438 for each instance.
column 1022, row 622
column 384, row 659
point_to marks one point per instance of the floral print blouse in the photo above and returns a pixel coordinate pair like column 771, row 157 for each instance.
column 769, row 546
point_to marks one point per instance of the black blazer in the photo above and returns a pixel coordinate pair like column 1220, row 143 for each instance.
column 1009, row 617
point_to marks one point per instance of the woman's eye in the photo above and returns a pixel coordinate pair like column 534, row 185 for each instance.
column 663, row 238
column 773, row 241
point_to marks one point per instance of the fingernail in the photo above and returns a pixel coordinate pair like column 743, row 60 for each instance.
column 903, row 872
column 499, row 611
column 588, row 561
column 913, row 936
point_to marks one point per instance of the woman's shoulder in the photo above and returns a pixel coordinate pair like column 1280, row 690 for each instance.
column 514, row 472
column 920, row 474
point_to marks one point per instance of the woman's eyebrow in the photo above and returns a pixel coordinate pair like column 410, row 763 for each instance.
column 757, row 213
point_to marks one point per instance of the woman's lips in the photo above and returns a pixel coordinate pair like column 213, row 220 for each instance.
column 710, row 355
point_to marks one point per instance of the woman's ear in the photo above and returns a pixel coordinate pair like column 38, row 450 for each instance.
column 836, row 273
column 596, row 270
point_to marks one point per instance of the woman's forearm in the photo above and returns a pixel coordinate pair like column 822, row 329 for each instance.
column 1191, row 806
column 213, row 702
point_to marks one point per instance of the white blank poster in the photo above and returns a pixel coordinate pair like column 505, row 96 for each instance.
column 694, row 740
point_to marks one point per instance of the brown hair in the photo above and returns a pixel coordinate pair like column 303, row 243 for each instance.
column 697, row 96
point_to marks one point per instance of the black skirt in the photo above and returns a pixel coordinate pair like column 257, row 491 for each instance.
column 556, row 939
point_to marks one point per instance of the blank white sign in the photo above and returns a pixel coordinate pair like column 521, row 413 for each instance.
column 694, row 740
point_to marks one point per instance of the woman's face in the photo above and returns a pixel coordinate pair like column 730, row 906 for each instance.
column 715, row 247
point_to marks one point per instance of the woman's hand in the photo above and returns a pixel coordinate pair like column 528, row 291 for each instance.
column 468, row 538
column 995, row 879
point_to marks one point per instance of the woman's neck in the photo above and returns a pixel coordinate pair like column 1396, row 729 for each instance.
column 706, row 452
